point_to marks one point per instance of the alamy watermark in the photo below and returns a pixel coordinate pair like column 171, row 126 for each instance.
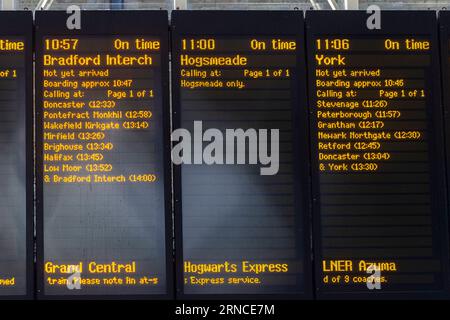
column 373, row 22
column 74, row 280
column 73, row 21
column 373, row 282
column 236, row 146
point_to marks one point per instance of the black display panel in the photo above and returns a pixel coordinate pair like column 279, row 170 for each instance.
column 103, row 164
column 377, row 155
column 444, row 28
column 16, row 170
column 240, row 233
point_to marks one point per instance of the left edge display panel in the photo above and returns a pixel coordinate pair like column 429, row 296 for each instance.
column 16, row 156
column 102, row 156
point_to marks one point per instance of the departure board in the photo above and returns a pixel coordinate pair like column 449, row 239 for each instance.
column 103, row 164
column 444, row 28
column 16, row 169
column 377, row 155
column 241, row 189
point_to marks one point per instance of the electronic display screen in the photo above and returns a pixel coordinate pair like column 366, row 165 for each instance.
column 103, row 177
column 241, row 189
column 444, row 28
column 16, row 233
column 377, row 154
